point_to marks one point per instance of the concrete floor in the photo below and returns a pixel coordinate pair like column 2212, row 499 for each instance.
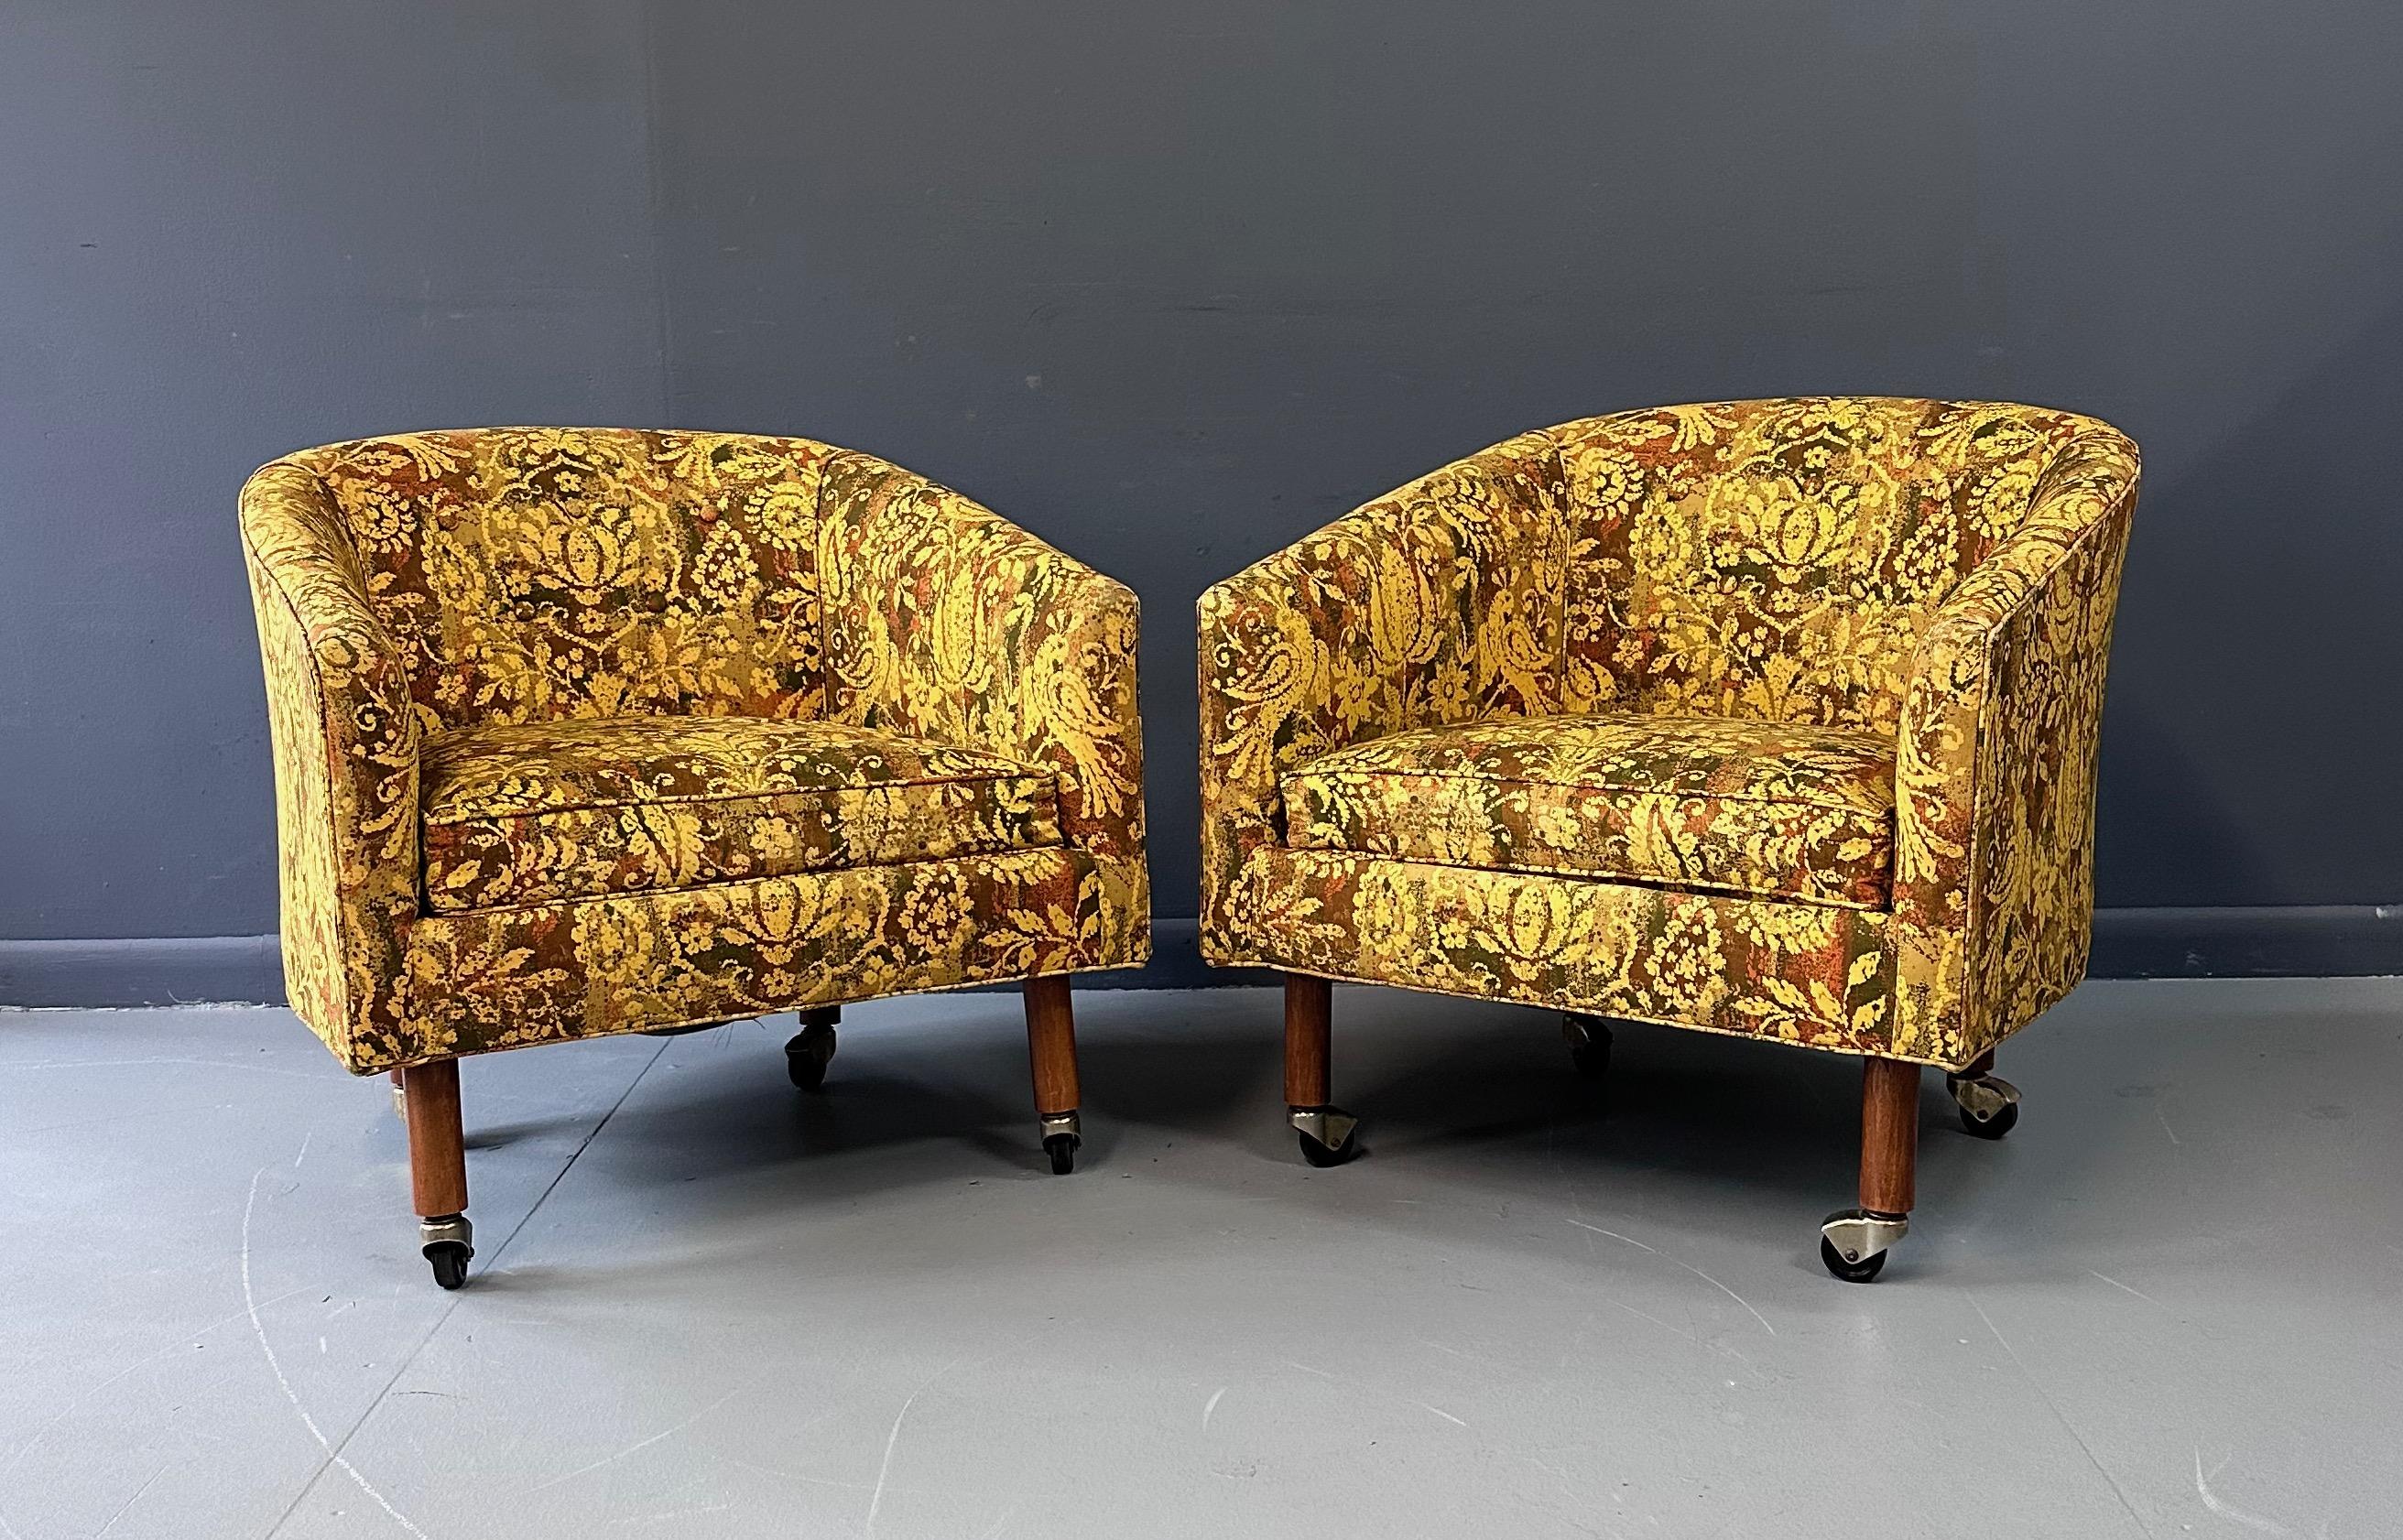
column 704, row 1305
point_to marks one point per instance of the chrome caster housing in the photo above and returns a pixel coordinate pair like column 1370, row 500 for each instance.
column 1990, row 1106
column 1061, row 1138
column 809, row 1053
column 1854, row 1243
column 1588, row 1041
column 1328, row 1134
column 447, row 1241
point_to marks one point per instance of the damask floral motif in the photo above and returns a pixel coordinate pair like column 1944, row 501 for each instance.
column 1758, row 807
column 1936, row 578
column 510, row 976
column 581, row 639
column 532, row 811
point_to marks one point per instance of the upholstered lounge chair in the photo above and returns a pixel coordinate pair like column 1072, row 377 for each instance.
column 587, row 731
column 1775, row 719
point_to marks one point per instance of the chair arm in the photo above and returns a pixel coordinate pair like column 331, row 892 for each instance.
column 1995, row 806
column 945, row 621
column 344, row 740
column 1438, row 602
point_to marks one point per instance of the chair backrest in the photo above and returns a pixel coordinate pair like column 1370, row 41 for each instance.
column 533, row 574
column 1778, row 560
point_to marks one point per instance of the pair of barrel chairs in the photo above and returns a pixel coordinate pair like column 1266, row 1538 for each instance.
column 1774, row 718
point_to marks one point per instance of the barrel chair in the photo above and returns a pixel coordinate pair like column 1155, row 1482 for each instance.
column 1774, row 718
column 582, row 731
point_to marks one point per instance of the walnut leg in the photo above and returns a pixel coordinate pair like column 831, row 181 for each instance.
column 1889, row 1136
column 1052, row 1049
column 437, row 1167
column 1309, row 1020
column 1326, row 1131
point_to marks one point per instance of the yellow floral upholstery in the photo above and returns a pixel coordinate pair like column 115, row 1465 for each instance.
column 1759, row 808
column 589, row 731
column 1909, row 603
column 524, row 812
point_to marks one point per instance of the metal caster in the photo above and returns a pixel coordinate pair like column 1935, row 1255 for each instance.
column 447, row 1241
column 1588, row 1040
column 1854, row 1243
column 807, row 1055
column 1990, row 1106
column 1327, row 1134
column 1061, row 1140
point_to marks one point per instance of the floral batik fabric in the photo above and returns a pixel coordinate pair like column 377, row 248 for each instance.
column 1771, row 717
column 586, row 730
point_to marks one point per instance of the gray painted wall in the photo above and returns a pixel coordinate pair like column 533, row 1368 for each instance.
column 1170, row 285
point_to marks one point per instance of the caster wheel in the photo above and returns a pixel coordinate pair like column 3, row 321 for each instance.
column 1994, row 1127
column 1862, row 1271
column 1061, row 1149
column 1588, row 1040
column 450, row 1262
column 447, row 1241
column 1990, row 1106
column 1329, row 1135
column 1854, row 1243
column 807, row 1055
column 1319, row 1154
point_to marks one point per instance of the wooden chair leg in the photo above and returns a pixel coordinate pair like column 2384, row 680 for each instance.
column 1327, row 1132
column 1309, row 1020
column 1052, row 1049
column 1889, row 1136
column 437, row 1167
column 1854, row 1243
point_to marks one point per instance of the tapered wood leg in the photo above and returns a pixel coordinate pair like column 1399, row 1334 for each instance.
column 1051, row 1044
column 1889, row 1136
column 437, row 1150
column 1052, row 1049
column 1309, row 1017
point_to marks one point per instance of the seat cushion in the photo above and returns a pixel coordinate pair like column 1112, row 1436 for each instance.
column 1708, row 803
column 542, row 811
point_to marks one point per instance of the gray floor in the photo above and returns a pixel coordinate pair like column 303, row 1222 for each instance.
column 2171, row 1303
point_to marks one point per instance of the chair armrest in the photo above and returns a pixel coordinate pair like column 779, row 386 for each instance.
column 1994, row 805
column 1438, row 602
column 943, row 621
column 345, row 748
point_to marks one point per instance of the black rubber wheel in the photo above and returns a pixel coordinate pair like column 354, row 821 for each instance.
column 1994, row 1127
column 1861, row 1271
column 1061, row 1149
column 448, row 1259
column 1319, row 1154
column 807, row 1067
column 1590, row 1054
